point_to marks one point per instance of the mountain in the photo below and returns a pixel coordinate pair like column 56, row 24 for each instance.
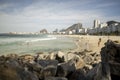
column 43, row 31
column 74, row 27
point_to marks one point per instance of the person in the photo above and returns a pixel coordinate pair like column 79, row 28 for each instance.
column 99, row 42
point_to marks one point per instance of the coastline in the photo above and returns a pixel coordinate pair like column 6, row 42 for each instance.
column 82, row 42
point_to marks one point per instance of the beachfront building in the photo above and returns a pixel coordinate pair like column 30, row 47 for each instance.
column 62, row 31
column 96, row 23
column 91, row 31
column 55, row 31
column 103, row 25
column 111, row 27
column 70, row 32
column 83, row 31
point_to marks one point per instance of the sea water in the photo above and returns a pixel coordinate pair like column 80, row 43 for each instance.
column 22, row 44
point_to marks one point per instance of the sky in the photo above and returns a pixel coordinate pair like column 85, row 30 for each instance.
column 34, row 15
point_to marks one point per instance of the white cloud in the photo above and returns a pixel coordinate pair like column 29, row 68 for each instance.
column 52, row 15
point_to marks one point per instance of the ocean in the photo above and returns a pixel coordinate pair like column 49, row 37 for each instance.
column 30, row 44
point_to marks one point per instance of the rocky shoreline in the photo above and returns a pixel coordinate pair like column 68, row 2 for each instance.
column 84, row 65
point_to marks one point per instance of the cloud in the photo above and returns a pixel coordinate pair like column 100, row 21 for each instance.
column 50, row 14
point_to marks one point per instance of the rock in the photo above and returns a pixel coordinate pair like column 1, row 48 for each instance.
column 45, row 63
column 49, row 71
column 88, row 66
column 72, row 56
column 88, row 59
column 79, row 64
column 49, row 68
column 77, row 75
column 110, row 54
column 27, row 58
column 51, row 56
column 8, row 71
column 41, row 56
column 60, row 56
column 55, row 78
column 14, row 56
column 35, row 69
column 115, row 68
column 100, row 72
column 65, row 69
column 97, row 58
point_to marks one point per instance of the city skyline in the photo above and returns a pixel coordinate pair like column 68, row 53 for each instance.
column 34, row 15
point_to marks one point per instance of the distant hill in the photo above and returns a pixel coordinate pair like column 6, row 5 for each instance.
column 74, row 27
column 112, row 22
column 43, row 31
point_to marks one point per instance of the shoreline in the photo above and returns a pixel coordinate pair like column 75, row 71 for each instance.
column 82, row 42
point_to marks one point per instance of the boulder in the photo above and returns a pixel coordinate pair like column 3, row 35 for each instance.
column 110, row 54
column 13, row 56
column 79, row 64
column 45, row 63
column 51, row 56
column 99, row 72
column 49, row 68
column 60, row 56
column 55, row 78
column 65, row 69
column 49, row 71
column 8, row 71
column 72, row 56
column 41, row 56
column 27, row 58
column 35, row 69
column 88, row 59
column 77, row 75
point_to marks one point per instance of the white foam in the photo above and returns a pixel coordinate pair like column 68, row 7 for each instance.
column 42, row 39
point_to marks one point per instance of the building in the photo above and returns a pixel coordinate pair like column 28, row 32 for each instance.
column 55, row 31
column 83, row 31
column 96, row 23
column 103, row 25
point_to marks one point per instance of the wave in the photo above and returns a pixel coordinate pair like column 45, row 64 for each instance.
column 42, row 39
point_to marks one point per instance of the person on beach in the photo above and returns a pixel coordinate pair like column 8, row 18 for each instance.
column 99, row 41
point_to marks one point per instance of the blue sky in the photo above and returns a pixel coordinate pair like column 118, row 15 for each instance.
column 34, row 15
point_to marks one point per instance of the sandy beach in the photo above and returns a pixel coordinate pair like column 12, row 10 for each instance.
column 90, row 43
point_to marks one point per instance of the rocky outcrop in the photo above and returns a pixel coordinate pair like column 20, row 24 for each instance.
column 111, row 54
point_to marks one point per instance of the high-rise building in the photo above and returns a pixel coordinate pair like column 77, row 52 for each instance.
column 96, row 23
